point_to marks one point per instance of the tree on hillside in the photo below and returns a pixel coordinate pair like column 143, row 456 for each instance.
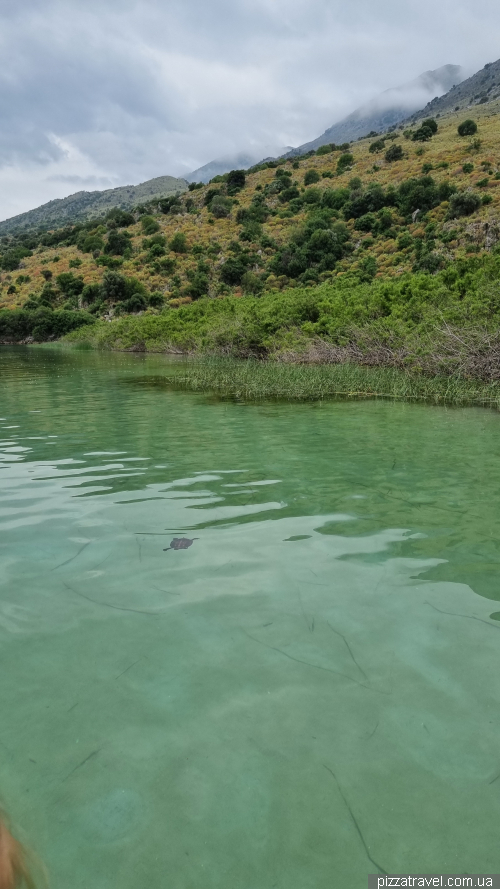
column 311, row 177
column 235, row 180
column 431, row 124
column 423, row 134
column 394, row 153
column 178, row 243
column 467, row 128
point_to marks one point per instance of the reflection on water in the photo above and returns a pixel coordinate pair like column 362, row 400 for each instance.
column 306, row 693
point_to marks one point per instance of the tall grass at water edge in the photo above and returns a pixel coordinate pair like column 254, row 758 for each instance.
column 261, row 379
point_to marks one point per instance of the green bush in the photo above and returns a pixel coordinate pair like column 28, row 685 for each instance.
column 149, row 225
column 377, row 146
column 431, row 124
column 10, row 260
column 394, row 153
column 464, row 203
column 179, row 243
column 325, row 149
column 288, row 194
column 423, row 134
column 118, row 243
column 233, row 270
column 367, row 223
column 220, row 207
column 335, row 198
column 91, row 293
column 467, row 168
column 467, row 128
column 121, row 217
column 135, row 303
column 69, row 285
column 345, row 161
column 312, row 196
column 156, row 300
column 311, row 177
column 235, row 180
column 41, row 324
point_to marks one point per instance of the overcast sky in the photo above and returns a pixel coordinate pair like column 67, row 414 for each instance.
column 100, row 93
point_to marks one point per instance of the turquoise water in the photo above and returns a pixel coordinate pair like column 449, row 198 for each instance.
column 308, row 692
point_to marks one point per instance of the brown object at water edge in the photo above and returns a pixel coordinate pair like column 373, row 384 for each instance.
column 180, row 543
column 13, row 867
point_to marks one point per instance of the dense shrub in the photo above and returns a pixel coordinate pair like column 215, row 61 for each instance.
column 220, row 207
column 235, row 180
column 118, row 243
column 467, row 128
column 256, row 212
column 149, row 225
column 431, row 124
column 367, row 223
column 156, row 300
column 311, row 177
column 91, row 293
column 377, row 146
column 179, row 243
column 318, row 244
column 464, row 203
column 69, row 285
column 135, row 303
column 210, row 195
column 423, row 134
column 41, row 324
column 325, row 149
column 369, row 201
column 173, row 203
column 422, row 194
column 345, row 161
column 113, row 287
column 288, row 194
column 199, row 284
column 11, row 259
column 394, row 153
column 312, row 196
column 89, row 243
column 335, row 198
column 233, row 270
column 121, row 217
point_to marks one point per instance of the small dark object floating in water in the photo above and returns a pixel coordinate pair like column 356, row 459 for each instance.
column 180, row 543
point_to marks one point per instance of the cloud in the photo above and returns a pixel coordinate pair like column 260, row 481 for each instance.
column 120, row 93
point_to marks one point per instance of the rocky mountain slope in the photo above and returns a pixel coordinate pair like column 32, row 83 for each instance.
column 388, row 109
column 480, row 89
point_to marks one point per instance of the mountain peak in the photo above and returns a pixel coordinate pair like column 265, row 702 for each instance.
column 389, row 108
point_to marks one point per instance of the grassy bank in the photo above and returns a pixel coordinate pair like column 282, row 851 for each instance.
column 251, row 380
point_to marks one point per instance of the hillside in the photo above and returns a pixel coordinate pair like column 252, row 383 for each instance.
column 480, row 89
column 397, row 232
column 388, row 109
column 86, row 205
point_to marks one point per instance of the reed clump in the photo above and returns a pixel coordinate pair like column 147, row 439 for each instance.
column 252, row 380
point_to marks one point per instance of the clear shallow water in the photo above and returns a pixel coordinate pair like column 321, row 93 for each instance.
column 314, row 683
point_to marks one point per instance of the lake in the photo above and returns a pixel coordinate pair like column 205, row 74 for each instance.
column 305, row 694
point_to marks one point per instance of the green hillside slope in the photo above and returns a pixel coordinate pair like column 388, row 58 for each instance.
column 86, row 205
column 377, row 249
